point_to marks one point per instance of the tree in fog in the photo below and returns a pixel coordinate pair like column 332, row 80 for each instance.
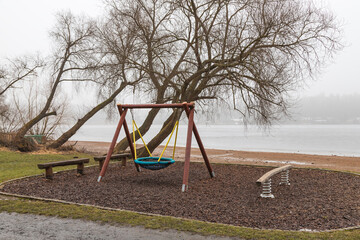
column 2, row 101
column 154, row 57
column 13, row 73
column 112, row 75
column 3, row 107
column 249, row 53
column 71, row 57
column 17, row 70
column 83, row 56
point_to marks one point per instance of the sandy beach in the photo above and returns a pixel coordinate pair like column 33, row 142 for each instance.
column 332, row 162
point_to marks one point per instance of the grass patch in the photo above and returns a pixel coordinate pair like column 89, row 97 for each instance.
column 16, row 164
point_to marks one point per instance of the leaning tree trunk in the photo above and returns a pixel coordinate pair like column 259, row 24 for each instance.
column 18, row 140
column 69, row 133
column 164, row 132
column 43, row 114
column 19, row 137
column 123, row 144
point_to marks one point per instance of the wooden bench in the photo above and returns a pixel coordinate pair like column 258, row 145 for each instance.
column 265, row 180
column 119, row 157
column 77, row 161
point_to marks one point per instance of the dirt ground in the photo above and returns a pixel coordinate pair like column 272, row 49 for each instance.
column 316, row 199
column 332, row 162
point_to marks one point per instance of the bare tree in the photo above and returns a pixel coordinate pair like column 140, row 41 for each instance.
column 73, row 54
column 85, row 57
column 257, row 51
column 249, row 52
column 3, row 107
column 113, row 73
column 155, row 55
column 13, row 75
column 27, row 103
column 17, row 70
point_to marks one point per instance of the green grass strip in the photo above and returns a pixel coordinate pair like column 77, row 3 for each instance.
column 17, row 164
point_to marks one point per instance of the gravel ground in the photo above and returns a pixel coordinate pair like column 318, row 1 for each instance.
column 23, row 226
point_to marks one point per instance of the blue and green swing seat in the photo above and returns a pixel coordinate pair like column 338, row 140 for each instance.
column 154, row 163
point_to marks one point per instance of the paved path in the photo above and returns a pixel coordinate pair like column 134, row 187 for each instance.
column 26, row 226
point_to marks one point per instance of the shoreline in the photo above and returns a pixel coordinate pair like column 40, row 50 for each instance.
column 332, row 162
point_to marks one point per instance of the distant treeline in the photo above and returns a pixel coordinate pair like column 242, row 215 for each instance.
column 331, row 109
column 320, row 109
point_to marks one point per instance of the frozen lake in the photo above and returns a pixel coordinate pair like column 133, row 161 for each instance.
column 313, row 139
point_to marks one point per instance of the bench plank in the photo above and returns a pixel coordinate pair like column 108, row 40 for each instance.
column 271, row 173
column 48, row 166
column 121, row 156
column 63, row 163
column 114, row 156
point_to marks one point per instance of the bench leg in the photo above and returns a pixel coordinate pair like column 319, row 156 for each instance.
column 101, row 163
column 123, row 161
column 80, row 168
column 49, row 173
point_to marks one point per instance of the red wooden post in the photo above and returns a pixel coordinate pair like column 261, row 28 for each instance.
column 127, row 133
column 188, row 150
column 201, row 146
column 112, row 145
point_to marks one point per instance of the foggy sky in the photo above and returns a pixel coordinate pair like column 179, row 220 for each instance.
column 24, row 26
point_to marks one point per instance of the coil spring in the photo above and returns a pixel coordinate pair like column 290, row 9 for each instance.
column 266, row 190
column 285, row 178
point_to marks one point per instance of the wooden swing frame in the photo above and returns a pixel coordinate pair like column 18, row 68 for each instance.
column 189, row 110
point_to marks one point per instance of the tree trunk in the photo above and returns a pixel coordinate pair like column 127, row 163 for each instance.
column 24, row 129
column 123, row 144
column 69, row 133
column 43, row 114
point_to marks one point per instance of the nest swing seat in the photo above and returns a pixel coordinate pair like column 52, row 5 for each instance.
column 154, row 163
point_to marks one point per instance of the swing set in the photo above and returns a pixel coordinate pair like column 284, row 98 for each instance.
column 157, row 163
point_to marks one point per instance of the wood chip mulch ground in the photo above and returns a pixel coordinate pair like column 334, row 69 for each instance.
column 315, row 200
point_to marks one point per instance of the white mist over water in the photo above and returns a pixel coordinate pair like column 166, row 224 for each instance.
column 341, row 140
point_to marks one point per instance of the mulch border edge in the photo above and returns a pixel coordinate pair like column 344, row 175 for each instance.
column 159, row 215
